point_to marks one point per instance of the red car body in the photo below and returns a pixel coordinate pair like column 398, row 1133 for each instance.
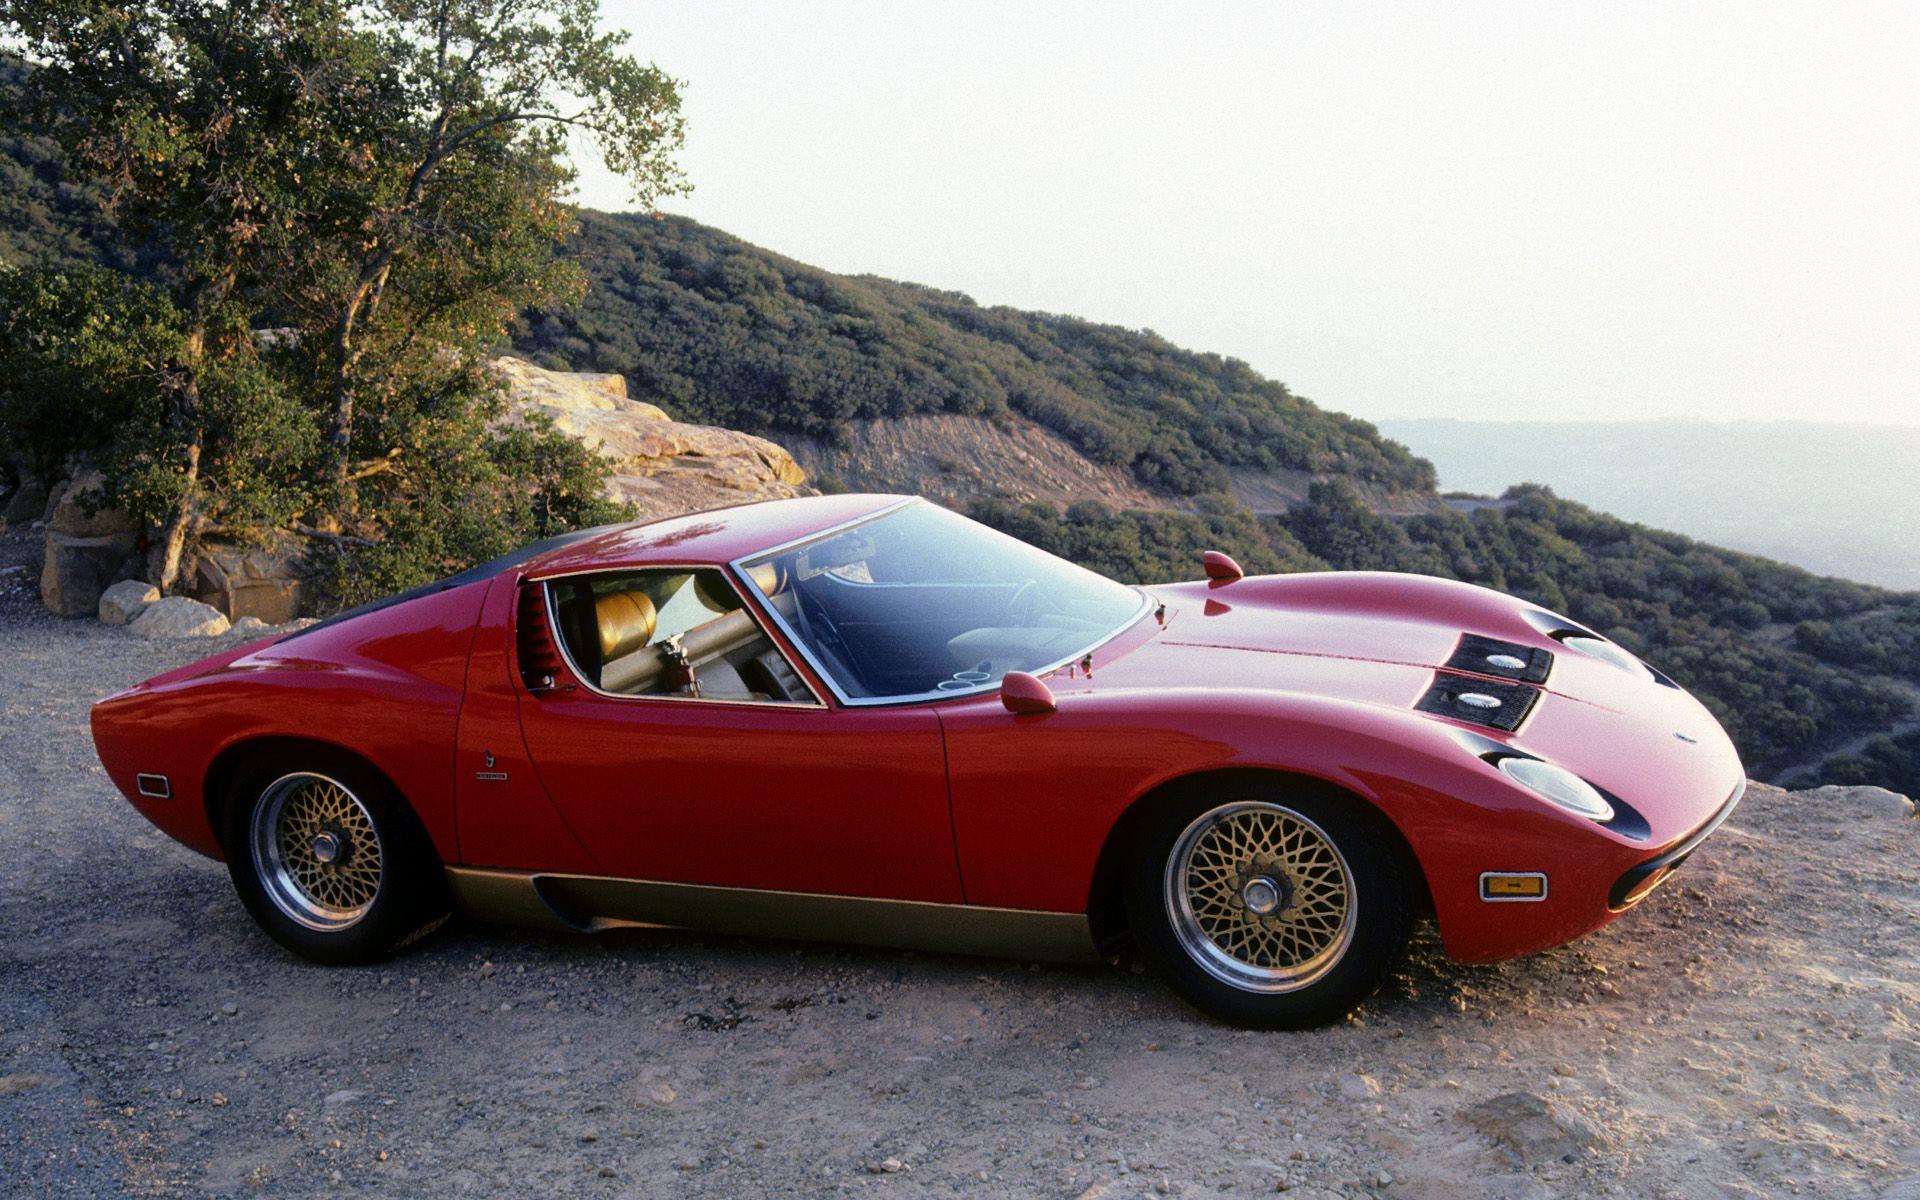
column 540, row 802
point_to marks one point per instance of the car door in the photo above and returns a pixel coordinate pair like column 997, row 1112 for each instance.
column 680, row 744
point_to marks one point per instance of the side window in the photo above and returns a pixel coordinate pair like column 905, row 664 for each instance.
column 670, row 633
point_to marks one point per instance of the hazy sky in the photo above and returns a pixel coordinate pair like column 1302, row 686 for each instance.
column 1473, row 210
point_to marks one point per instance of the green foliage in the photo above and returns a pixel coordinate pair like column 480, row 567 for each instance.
column 1891, row 762
column 1885, row 641
column 721, row 331
column 498, row 487
column 88, row 352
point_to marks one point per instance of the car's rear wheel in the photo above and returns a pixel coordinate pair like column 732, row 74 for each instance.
column 330, row 861
column 1269, row 907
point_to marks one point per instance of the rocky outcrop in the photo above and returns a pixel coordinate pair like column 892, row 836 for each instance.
column 660, row 466
column 86, row 552
column 179, row 617
column 126, row 600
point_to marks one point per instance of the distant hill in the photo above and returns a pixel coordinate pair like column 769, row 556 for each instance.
column 1127, row 453
column 1835, row 499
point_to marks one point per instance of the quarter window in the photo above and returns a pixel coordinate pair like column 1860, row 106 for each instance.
column 670, row 633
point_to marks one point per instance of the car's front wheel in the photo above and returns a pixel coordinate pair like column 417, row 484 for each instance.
column 1269, row 907
column 329, row 860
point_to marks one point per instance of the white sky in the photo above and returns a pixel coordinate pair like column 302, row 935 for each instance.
column 1534, row 211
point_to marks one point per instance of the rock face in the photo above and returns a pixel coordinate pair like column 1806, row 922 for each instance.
column 85, row 552
column 179, row 617
column 264, row 581
column 661, row 466
column 126, row 600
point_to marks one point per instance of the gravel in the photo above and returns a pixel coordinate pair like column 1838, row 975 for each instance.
column 1749, row 1031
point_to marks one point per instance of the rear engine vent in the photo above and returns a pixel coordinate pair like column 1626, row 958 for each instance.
column 539, row 657
column 1479, row 701
column 1489, row 656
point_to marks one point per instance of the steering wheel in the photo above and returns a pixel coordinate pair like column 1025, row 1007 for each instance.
column 1023, row 607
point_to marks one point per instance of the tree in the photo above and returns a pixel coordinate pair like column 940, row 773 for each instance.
column 468, row 150
column 191, row 116
column 387, row 178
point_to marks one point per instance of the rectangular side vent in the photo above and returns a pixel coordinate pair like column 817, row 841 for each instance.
column 1488, row 702
column 154, row 786
column 540, row 667
column 1490, row 656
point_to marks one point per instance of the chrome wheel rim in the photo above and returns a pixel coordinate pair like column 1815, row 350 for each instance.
column 316, row 851
column 1260, row 897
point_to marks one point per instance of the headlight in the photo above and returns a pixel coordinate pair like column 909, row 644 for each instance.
column 1558, row 785
column 1605, row 651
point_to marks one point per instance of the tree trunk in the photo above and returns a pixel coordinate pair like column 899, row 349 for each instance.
column 362, row 302
column 169, row 548
column 165, row 556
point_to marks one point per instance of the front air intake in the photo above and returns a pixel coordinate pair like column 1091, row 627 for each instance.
column 540, row 665
column 1490, row 702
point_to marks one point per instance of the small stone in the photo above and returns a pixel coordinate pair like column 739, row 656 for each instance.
column 339, row 1099
column 1357, row 1087
column 663, row 1093
column 250, row 626
column 1533, row 1129
column 230, row 1010
column 13, row 1085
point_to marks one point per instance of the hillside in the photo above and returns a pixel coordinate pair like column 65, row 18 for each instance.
column 1767, row 488
column 1130, row 454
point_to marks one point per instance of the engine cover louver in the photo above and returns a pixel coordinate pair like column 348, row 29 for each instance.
column 1490, row 656
column 1489, row 702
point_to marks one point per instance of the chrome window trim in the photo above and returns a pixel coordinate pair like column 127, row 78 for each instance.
column 745, row 580
column 566, row 655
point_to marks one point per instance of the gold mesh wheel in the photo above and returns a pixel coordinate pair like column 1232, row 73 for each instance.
column 1260, row 897
column 317, row 851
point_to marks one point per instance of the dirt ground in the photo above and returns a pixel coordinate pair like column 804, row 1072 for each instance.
column 1753, row 1030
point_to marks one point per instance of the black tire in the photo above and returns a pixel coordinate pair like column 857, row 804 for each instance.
column 1310, row 977
column 409, row 899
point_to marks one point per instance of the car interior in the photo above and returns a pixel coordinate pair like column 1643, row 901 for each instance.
column 884, row 637
column 670, row 633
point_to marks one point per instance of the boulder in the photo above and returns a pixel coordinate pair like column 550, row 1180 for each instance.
column 1861, row 802
column 85, row 551
column 565, row 390
column 179, row 617
column 126, row 600
column 661, row 466
column 264, row 579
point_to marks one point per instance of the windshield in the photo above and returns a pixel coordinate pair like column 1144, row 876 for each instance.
column 921, row 602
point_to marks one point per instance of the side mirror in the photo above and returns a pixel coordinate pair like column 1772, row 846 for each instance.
column 1220, row 566
column 1023, row 694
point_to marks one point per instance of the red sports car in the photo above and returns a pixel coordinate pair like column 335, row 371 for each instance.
column 865, row 718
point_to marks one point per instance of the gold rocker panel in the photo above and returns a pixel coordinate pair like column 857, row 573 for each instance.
column 589, row 903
